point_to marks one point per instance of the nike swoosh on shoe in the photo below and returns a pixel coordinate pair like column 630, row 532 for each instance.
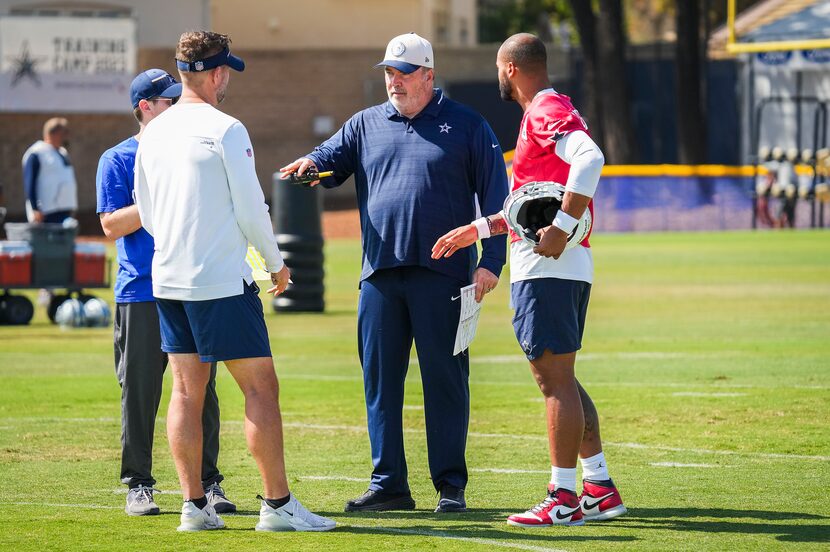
column 567, row 514
column 591, row 506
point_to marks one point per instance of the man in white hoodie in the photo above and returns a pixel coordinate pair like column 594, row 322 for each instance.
column 48, row 175
column 199, row 196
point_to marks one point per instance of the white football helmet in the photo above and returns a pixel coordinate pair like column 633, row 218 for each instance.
column 96, row 313
column 70, row 314
column 533, row 207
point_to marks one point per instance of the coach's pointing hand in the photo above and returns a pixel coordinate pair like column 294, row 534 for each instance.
column 280, row 280
column 300, row 166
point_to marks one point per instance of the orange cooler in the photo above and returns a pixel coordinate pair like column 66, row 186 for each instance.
column 15, row 263
column 90, row 263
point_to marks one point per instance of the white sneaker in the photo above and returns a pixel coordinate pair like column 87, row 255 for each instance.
column 291, row 517
column 194, row 519
column 140, row 502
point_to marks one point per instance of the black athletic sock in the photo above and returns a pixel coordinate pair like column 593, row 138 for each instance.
column 199, row 502
column 276, row 502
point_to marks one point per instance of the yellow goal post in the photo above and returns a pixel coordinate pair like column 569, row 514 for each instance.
column 735, row 47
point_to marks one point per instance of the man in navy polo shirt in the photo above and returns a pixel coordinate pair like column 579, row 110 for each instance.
column 139, row 361
column 423, row 164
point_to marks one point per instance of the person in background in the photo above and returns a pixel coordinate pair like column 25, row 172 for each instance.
column 48, row 176
column 139, row 361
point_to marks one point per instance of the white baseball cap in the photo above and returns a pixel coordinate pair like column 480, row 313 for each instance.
column 408, row 52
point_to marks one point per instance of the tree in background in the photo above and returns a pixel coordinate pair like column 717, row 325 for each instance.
column 499, row 19
column 619, row 141
column 602, row 35
column 691, row 84
column 585, row 21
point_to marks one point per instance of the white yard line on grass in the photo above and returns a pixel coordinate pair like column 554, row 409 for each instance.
column 124, row 491
column 362, row 429
column 505, row 470
column 333, row 478
column 679, row 465
column 635, row 384
column 54, row 505
column 583, row 357
column 450, row 536
column 776, row 455
column 713, row 395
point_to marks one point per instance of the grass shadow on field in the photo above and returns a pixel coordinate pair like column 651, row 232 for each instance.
column 472, row 514
column 678, row 519
column 486, row 532
column 477, row 523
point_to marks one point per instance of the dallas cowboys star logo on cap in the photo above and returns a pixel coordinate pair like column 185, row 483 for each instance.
column 445, row 128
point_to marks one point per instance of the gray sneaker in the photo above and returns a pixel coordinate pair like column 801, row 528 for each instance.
column 216, row 498
column 140, row 502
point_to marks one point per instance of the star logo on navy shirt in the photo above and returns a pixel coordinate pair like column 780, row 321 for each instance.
column 445, row 128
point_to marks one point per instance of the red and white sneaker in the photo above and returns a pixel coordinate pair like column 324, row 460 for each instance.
column 600, row 500
column 560, row 507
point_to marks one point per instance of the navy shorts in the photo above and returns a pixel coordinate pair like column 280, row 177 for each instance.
column 217, row 329
column 550, row 314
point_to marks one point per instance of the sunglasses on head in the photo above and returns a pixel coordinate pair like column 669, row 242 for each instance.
column 160, row 99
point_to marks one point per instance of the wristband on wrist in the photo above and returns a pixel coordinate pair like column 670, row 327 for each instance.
column 483, row 227
column 564, row 221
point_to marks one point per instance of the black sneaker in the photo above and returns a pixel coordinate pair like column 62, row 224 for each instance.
column 378, row 501
column 452, row 500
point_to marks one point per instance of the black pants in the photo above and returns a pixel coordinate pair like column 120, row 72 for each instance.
column 139, row 366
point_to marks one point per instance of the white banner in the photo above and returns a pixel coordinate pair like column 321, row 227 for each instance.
column 66, row 64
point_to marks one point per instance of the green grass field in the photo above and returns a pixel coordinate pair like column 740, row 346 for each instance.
column 708, row 356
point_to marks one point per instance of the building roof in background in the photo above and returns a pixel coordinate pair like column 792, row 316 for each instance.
column 752, row 23
column 812, row 22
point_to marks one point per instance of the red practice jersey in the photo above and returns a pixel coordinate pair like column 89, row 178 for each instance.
column 550, row 117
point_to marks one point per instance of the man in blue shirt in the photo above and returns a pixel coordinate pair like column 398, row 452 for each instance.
column 423, row 164
column 139, row 361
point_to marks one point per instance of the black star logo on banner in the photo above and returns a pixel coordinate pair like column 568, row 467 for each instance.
column 25, row 66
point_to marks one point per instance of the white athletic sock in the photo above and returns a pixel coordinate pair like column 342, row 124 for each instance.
column 563, row 478
column 595, row 468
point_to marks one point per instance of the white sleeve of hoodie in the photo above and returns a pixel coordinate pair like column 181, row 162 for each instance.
column 249, row 205
column 586, row 161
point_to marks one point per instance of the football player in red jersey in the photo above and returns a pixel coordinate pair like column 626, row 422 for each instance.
column 551, row 285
